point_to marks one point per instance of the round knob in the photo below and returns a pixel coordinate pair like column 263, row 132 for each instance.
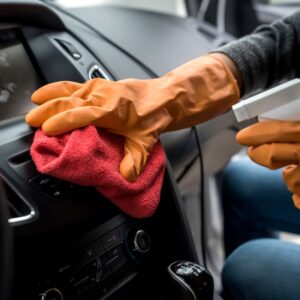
column 141, row 242
column 52, row 294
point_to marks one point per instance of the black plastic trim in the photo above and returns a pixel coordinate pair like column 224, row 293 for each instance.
column 32, row 13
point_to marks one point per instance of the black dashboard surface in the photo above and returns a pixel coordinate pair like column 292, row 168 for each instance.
column 161, row 42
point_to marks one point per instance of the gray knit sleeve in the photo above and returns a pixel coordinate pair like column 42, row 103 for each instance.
column 269, row 55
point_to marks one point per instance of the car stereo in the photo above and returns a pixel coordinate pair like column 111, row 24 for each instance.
column 18, row 77
column 92, row 264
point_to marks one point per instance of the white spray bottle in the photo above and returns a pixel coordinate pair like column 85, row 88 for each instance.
column 279, row 103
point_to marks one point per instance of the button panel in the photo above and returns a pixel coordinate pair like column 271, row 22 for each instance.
column 111, row 238
column 54, row 188
column 96, row 272
column 94, row 265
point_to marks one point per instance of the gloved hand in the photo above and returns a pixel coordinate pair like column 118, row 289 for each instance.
column 276, row 144
column 139, row 110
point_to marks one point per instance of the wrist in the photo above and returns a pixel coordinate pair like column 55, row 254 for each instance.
column 232, row 66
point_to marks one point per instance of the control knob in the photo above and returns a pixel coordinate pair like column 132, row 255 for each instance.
column 139, row 243
column 52, row 294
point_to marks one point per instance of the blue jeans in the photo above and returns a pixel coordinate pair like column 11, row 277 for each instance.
column 256, row 204
column 263, row 269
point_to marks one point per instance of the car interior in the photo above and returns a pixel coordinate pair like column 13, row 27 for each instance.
column 64, row 241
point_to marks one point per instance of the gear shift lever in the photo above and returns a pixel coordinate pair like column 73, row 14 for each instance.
column 190, row 281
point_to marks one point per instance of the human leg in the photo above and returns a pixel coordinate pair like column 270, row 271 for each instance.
column 256, row 203
column 264, row 269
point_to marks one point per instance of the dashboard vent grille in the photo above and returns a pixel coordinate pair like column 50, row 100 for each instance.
column 97, row 72
column 19, row 209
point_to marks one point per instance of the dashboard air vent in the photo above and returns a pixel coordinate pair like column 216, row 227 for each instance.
column 97, row 72
column 19, row 209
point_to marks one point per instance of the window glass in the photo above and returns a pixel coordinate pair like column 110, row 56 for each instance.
column 175, row 7
column 284, row 1
column 288, row 2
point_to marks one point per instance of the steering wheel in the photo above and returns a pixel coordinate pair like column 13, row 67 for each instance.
column 6, row 247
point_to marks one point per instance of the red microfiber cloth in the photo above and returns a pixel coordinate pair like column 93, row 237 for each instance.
column 91, row 157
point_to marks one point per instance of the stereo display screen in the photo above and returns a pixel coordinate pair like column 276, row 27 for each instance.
column 18, row 78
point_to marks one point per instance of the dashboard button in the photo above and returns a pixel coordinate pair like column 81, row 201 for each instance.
column 42, row 180
column 57, row 194
column 118, row 263
column 55, row 188
column 111, row 238
column 97, row 246
column 69, row 48
column 113, row 254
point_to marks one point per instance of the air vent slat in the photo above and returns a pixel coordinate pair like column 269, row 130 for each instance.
column 16, row 204
column 20, row 158
column 13, row 211
column 19, row 209
column 97, row 72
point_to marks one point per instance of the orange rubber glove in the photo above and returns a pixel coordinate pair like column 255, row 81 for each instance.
column 139, row 110
column 276, row 144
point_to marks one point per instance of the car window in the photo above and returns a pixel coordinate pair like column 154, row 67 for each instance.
column 175, row 7
column 284, row 1
column 287, row 2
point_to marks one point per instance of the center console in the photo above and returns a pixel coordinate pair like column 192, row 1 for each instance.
column 99, row 262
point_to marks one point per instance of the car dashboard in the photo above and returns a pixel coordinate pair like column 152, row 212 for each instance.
column 70, row 242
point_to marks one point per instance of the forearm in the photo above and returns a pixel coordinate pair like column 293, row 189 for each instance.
column 268, row 56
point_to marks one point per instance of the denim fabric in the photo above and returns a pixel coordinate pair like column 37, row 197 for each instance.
column 257, row 204
column 264, row 269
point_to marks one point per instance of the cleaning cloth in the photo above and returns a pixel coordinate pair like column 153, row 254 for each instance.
column 91, row 157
